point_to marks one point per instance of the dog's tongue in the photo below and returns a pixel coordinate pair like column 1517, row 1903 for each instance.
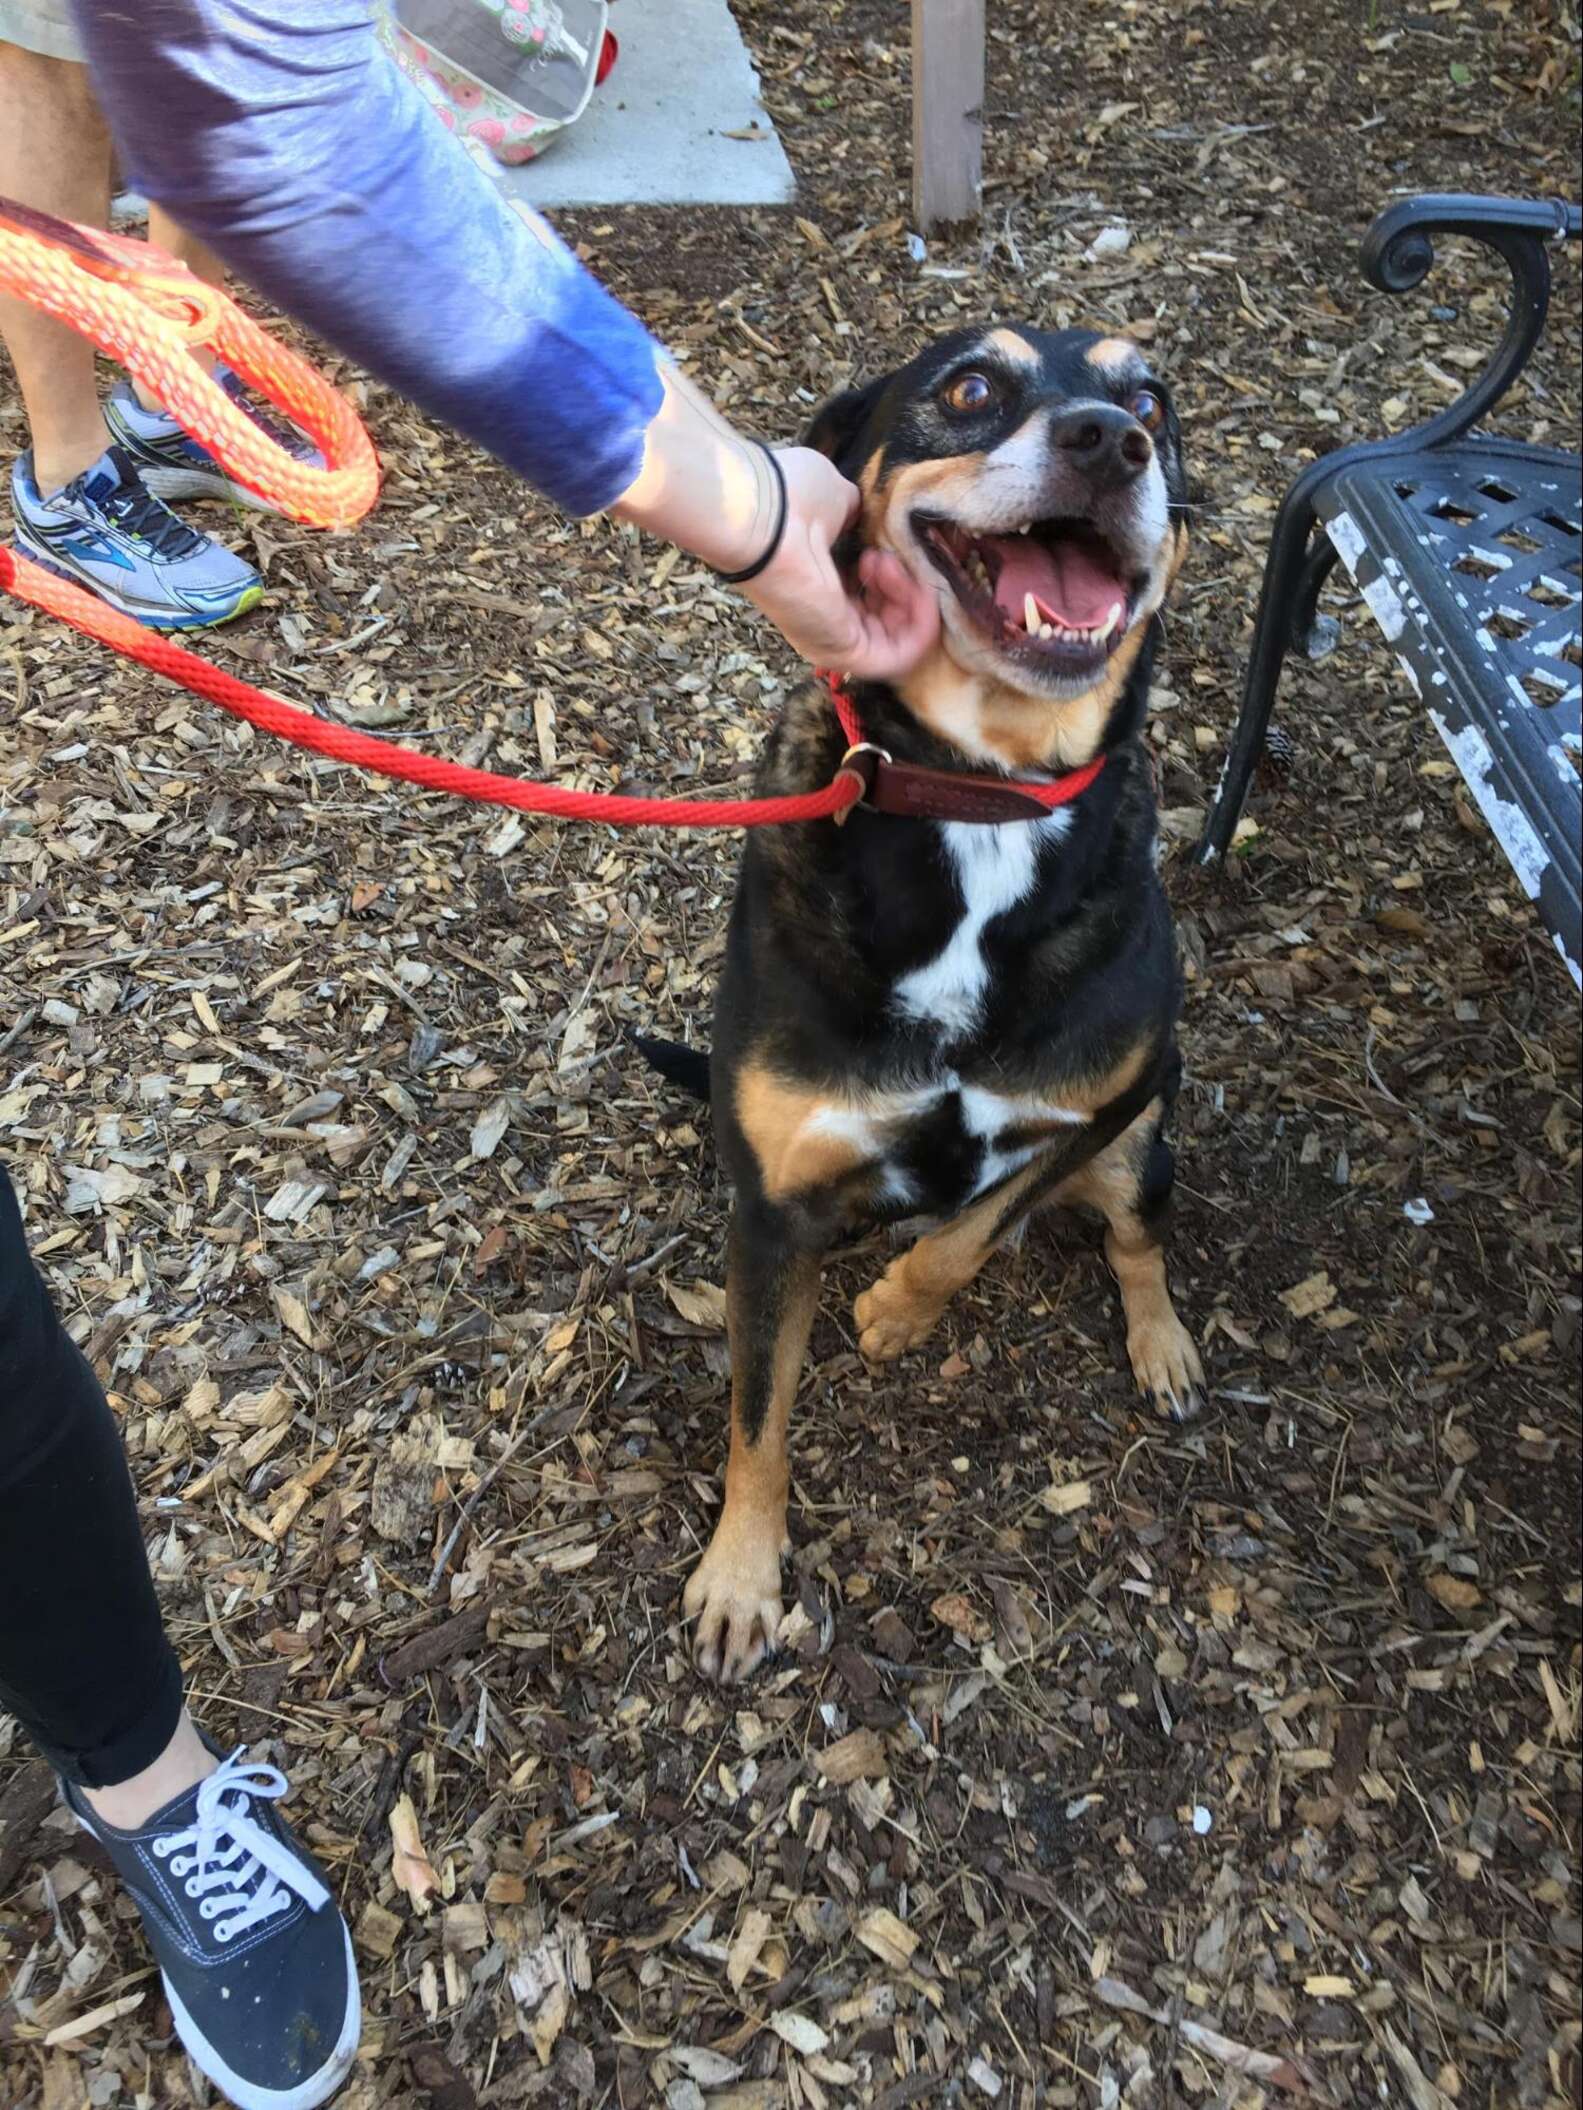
column 1071, row 582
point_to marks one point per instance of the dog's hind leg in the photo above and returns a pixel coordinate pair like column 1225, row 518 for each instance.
column 1130, row 1185
column 904, row 1304
column 772, row 1289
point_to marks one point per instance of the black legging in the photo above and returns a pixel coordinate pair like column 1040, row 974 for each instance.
column 84, row 1663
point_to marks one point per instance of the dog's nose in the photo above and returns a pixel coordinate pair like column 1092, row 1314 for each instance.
column 1103, row 442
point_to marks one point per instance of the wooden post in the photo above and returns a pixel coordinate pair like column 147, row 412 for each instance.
column 947, row 111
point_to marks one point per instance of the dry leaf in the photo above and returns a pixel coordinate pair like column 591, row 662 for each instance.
column 961, row 1616
column 744, row 1952
column 1422, row 2093
column 1455, row 1593
column 490, row 1126
column 96, row 2018
column 891, row 1939
column 860, row 1756
column 378, row 1931
column 701, row 1304
column 295, row 1317
column 549, row 2020
column 710, row 2069
column 1563, row 1712
column 410, row 1867
column 544, row 729
column 801, row 2032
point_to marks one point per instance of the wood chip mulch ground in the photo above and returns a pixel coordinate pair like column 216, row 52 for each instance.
column 1106, row 1763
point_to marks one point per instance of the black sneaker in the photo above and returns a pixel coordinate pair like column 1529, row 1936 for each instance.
column 256, row 1959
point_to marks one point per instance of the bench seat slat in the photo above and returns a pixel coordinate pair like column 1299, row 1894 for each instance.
column 1470, row 558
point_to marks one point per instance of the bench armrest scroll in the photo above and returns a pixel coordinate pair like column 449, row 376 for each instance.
column 1398, row 253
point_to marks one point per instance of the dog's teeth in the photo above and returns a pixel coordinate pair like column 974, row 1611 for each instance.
column 1030, row 615
column 1110, row 623
column 1046, row 630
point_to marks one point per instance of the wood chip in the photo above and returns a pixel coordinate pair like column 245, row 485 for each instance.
column 859, row 1756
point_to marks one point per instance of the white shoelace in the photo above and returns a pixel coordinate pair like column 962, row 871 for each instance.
column 229, row 1861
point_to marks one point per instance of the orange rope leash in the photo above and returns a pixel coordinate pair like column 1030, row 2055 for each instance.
column 148, row 312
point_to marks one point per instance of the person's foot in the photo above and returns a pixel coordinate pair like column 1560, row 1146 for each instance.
column 107, row 531
column 175, row 465
column 255, row 1957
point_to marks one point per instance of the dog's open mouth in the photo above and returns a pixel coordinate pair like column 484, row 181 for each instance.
column 1056, row 594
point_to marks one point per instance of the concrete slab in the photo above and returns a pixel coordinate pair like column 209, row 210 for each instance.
column 656, row 132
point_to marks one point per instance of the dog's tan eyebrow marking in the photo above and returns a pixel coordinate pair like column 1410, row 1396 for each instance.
column 1113, row 355
column 1011, row 345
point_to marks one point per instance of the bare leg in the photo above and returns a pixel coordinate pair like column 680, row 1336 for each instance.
column 55, row 155
column 169, row 235
column 185, row 1760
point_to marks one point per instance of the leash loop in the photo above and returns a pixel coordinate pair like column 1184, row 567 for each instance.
column 148, row 312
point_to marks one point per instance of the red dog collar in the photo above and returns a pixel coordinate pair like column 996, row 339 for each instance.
column 910, row 789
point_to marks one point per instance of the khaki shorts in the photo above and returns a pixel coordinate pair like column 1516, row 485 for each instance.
column 44, row 26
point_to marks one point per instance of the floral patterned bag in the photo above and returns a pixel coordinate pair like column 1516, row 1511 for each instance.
column 507, row 76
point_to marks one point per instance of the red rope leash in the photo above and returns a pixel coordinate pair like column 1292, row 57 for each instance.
column 341, row 743
column 148, row 312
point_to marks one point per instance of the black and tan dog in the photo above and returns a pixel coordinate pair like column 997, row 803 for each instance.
column 946, row 1019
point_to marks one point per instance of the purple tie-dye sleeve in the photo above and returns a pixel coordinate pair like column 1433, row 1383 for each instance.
column 280, row 133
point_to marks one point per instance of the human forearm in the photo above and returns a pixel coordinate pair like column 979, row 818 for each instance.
column 701, row 484
column 281, row 134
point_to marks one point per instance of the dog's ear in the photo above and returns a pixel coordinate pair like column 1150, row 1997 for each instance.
column 838, row 425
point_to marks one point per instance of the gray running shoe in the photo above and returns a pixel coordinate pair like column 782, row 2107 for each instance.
column 107, row 531
column 175, row 465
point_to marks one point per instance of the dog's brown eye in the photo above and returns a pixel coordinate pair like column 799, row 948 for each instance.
column 1147, row 408
column 969, row 392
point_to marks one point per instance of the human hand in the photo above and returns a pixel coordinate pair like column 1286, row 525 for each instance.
column 877, row 627
column 705, row 487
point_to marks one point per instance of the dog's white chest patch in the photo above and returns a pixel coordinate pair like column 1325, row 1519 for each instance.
column 995, row 868
column 986, row 1114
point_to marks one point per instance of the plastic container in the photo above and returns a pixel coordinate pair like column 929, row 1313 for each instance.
column 509, row 76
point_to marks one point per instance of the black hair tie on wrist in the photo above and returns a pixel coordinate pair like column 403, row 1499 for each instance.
column 783, row 505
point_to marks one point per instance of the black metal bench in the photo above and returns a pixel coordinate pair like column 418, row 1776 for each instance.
column 1469, row 553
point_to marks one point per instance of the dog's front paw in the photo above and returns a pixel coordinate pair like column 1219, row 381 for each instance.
column 1166, row 1364
column 734, row 1593
column 891, row 1319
